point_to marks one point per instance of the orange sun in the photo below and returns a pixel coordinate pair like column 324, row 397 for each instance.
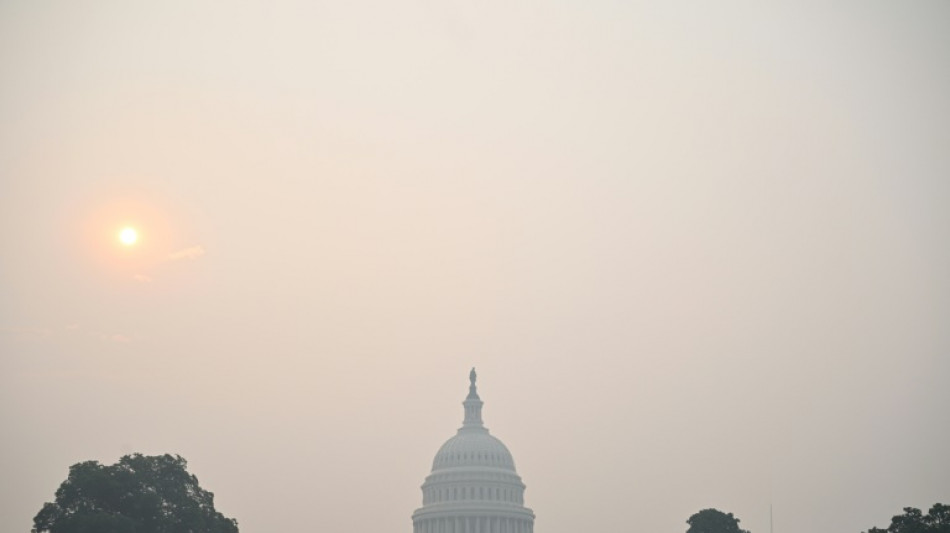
column 128, row 236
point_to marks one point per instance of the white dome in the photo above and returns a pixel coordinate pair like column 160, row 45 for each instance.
column 471, row 447
column 473, row 486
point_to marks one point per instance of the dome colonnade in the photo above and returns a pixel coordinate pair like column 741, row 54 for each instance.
column 473, row 487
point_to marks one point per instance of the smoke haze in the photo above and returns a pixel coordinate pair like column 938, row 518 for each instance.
column 698, row 253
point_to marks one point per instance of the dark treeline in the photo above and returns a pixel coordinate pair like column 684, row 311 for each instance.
column 156, row 494
column 139, row 494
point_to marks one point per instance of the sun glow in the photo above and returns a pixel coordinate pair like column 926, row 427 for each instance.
column 128, row 236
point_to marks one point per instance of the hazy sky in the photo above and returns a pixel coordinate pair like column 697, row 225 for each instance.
column 700, row 254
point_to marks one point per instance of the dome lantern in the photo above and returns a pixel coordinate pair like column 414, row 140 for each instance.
column 473, row 404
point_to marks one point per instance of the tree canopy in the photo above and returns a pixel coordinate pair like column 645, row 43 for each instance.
column 713, row 521
column 914, row 521
column 139, row 494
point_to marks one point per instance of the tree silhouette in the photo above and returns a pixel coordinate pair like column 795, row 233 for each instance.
column 914, row 521
column 713, row 521
column 139, row 494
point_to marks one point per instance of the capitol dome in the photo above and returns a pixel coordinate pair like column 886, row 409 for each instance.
column 473, row 486
column 473, row 449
